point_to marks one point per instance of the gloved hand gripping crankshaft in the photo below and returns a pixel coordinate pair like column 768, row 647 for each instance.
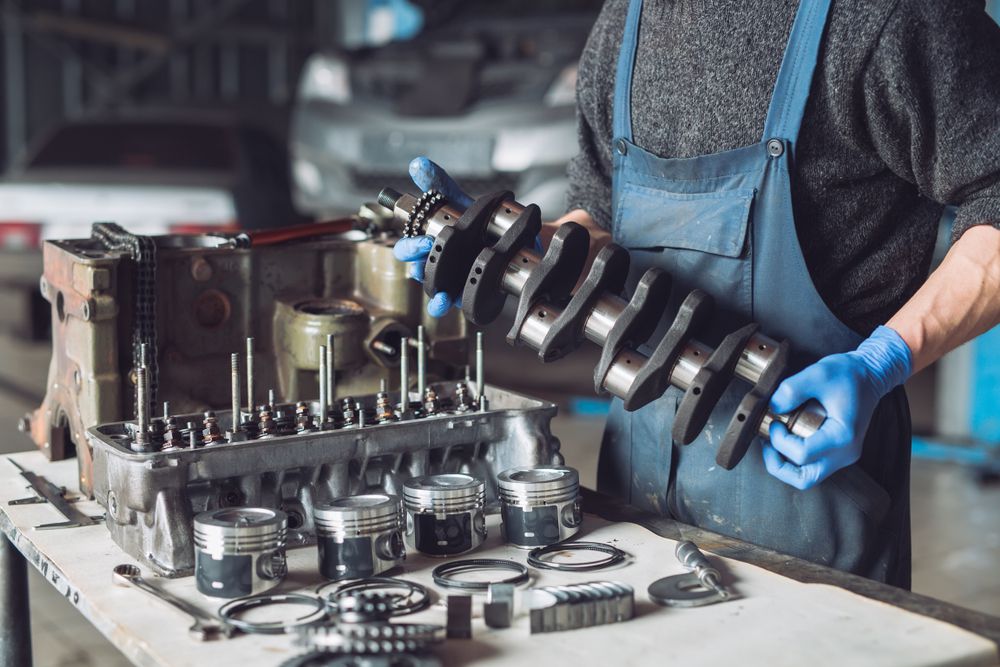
column 479, row 254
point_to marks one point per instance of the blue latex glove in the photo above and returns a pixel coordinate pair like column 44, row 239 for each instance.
column 849, row 386
column 429, row 176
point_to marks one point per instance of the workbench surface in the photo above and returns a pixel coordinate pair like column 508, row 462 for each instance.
column 776, row 621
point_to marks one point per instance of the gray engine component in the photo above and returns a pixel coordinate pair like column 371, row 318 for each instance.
column 152, row 498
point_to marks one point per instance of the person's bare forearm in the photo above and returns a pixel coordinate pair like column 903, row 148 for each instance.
column 959, row 301
column 598, row 237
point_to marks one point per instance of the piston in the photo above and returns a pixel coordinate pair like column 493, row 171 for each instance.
column 359, row 536
column 239, row 551
column 444, row 514
column 540, row 505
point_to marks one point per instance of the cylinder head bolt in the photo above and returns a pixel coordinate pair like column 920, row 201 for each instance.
column 239, row 551
column 359, row 536
column 445, row 514
column 540, row 505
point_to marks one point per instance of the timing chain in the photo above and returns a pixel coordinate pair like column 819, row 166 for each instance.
column 142, row 250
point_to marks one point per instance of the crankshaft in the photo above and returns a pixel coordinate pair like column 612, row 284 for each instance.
column 485, row 253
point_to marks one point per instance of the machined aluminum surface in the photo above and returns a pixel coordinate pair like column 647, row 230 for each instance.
column 445, row 514
column 239, row 551
column 150, row 498
column 359, row 536
column 540, row 504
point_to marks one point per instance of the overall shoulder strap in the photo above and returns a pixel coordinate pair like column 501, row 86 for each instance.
column 791, row 91
column 622, row 109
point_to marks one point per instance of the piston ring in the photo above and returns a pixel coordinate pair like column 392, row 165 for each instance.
column 443, row 574
column 416, row 599
column 229, row 612
column 614, row 556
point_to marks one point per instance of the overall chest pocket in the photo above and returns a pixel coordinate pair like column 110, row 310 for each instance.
column 712, row 222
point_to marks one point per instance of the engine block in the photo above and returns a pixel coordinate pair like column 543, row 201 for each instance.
column 205, row 297
column 151, row 498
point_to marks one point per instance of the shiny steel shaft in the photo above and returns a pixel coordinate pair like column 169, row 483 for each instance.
column 480, row 377
column 598, row 322
column 421, row 362
column 234, row 362
column 321, row 376
column 250, row 403
column 142, row 407
column 404, row 373
column 331, row 394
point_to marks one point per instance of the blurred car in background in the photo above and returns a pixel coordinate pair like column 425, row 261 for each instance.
column 485, row 89
column 152, row 175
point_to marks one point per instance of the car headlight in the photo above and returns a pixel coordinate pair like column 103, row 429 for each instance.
column 562, row 92
column 326, row 78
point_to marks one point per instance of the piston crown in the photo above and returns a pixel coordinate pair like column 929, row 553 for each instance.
column 538, row 485
column 353, row 516
column 444, row 493
column 240, row 530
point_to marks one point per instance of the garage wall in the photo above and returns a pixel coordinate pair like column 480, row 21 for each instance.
column 70, row 58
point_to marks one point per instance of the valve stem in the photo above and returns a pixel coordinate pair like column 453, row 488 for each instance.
column 480, row 379
column 361, row 414
column 141, row 440
column 331, row 394
column 383, row 408
column 404, row 378
column 421, row 362
column 251, row 408
column 321, row 376
column 236, row 431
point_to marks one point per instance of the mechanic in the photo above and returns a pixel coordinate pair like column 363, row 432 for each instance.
column 793, row 159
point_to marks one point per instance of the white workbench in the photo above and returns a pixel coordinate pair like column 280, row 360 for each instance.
column 777, row 621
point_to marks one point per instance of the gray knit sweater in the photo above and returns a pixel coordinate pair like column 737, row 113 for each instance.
column 903, row 118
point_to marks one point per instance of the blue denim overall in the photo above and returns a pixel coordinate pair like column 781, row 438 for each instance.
column 724, row 223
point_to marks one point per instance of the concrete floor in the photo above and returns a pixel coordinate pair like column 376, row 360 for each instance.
column 956, row 525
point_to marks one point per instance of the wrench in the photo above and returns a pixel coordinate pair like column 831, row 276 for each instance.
column 204, row 628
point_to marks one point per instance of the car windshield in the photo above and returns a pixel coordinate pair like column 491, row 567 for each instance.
column 172, row 146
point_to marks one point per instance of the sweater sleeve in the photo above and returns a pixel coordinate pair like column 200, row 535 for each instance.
column 932, row 101
column 589, row 172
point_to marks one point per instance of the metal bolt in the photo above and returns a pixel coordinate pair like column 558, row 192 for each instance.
column 462, row 402
column 270, row 398
column 250, row 404
column 331, row 381
column 166, row 410
column 142, row 407
column 192, row 436
column 480, row 379
column 322, row 385
column 347, row 410
column 421, row 361
column 303, row 421
column 431, row 403
column 234, row 361
column 384, row 348
column 383, row 409
column 361, row 414
column 404, row 375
